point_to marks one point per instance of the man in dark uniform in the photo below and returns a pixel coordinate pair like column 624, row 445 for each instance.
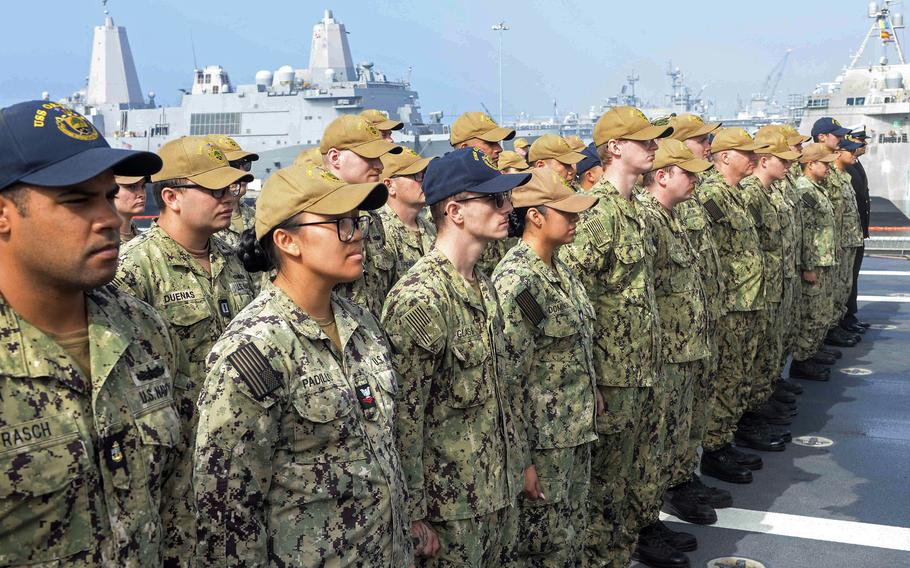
column 861, row 187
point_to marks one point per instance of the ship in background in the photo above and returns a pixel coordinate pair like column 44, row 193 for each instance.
column 872, row 93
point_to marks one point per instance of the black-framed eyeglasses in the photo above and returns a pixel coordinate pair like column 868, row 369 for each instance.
column 418, row 177
column 347, row 227
column 245, row 165
column 499, row 199
column 234, row 189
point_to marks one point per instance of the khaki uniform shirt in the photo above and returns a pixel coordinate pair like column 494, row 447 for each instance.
column 760, row 204
column 462, row 449
column 87, row 461
column 738, row 245
column 295, row 461
column 613, row 255
column 549, row 327
column 678, row 287
column 819, row 239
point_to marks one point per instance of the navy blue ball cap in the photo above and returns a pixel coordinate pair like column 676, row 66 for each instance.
column 849, row 145
column 591, row 159
column 467, row 169
column 828, row 125
column 48, row 144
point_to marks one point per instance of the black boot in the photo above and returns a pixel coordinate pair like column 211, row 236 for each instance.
column 746, row 459
column 850, row 336
column 681, row 541
column 751, row 434
column 781, row 432
column 788, row 386
column 717, row 498
column 852, row 328
column 772, row 415
column 787, row 409
column 653, row 550
column 822, row 358
column 783, row 395
column 684, row 502
column 840, row 338
column 863, row 324
column 808, row 371
column 837, row 353
column 722, row 465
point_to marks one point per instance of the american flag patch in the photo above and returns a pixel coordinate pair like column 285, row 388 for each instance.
column 756, row 214
column 419, row 323
column 529, row 307
column 598, row 232
column 714, row 210
column 255, row 371
column 809, row 200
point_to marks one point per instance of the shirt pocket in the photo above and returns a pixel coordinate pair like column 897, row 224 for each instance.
column 683, row 273
column 328, row 429
column 471, row 383
column 628, row 256
column 45, row 512
column 190, row 322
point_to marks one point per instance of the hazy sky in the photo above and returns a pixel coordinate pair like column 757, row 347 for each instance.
column 576, row 52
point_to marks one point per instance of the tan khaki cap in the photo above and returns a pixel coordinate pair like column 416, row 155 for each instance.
column 478, row 125
column 672, row 152
column 687, row 126
column 381, row 120
column 627, row 123
column 793, row 135
column 547, row 188
column 355, row 133
column 520, row 143
column 312, row 156
column 552, row 146
column 510, row 159
column 230, row 147
column 775, row 143
column 576, row 143
column 300, row 188
column 733, row 139
column 407, row 163
column 128, row 180
column 817, row 153
column 193, row 158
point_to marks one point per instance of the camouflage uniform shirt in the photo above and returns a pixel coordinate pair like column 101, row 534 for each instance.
column 295, row 461
column 612, row 254
column 370, row 290
column 678, row 287
column 760, row 204
column 405, row 245
column 462, row 450
column 87, row 460
column 693, row 216
column 549, row 327
column 852, row 233
column 819, row 240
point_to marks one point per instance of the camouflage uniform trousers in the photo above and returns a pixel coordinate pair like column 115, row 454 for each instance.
column 703, row 387
column 664, row 438
column 790, row 315
column 550, row 531
column 842, row 282
column 478, row 542
column 815, row 313
column 611, row 532
column 767, row 359
column 738, row 336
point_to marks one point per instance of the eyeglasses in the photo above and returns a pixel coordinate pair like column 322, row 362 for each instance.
column 418, row 177
column 245, row 165
column 234, row 189
column 499, row 199
column 347, row 227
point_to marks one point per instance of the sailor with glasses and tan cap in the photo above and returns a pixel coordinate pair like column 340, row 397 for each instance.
column 457, row 424
column 130, row 202
column 193, row 279
column 382, row 122
column 549, row 327
column 295, row 461
column 612, row 256
column 352, row 149
column 242, row 219
column 553, row 152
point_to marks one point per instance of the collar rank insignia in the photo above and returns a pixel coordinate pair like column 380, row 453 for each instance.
column 255, row 370
column 113, row 452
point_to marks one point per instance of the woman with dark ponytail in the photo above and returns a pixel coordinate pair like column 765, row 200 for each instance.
column 295, row 460
column 549, row 330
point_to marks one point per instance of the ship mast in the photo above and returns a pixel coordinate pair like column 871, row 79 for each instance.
column 885, row 25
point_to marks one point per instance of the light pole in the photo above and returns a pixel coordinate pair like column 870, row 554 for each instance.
column 500, row 27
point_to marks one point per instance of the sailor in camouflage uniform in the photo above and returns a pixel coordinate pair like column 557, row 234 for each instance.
column 242, row 218
column 409, row 234
column 351, row 149
column 549, row 329
column 588, row 171
column 89, row 432
column 612, row 256
column 479, row 130
column 738, row 331
column 817, row 260
column 295, row 461
column 193, row 279
column 458, row 427
column 130, row 202
column 553, row 152
column 850, row 236
column 771, row 165
column 682, row 305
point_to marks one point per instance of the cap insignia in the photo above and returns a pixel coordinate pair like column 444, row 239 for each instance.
column 69, row 122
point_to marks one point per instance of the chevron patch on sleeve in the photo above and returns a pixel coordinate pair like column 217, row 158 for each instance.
column 255, row 371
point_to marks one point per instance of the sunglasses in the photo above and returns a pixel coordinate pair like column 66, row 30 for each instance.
column 499, row 199
column 234, row 189
column 418, row 177
column 245, row 165
column 346, row 227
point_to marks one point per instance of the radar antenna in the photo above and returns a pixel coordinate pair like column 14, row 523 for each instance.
column 885, row 26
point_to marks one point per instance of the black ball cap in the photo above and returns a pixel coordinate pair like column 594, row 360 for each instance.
column 467, row 169
column 48, row 144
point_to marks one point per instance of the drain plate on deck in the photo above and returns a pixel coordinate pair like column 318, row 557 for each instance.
column 734, row 562
column 857, row 371
column 813, row 441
